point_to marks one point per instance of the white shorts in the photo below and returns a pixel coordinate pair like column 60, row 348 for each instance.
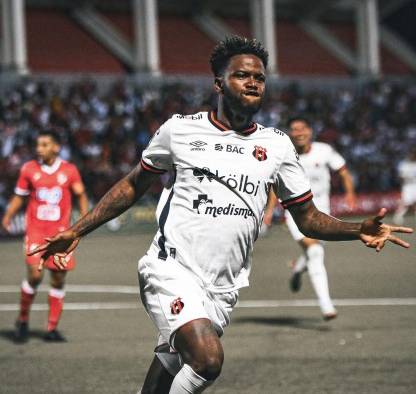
column 172, row 297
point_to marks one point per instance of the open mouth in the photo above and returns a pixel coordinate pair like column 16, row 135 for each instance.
column 250, row 93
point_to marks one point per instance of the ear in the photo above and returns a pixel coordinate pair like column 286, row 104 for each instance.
column 218, row 84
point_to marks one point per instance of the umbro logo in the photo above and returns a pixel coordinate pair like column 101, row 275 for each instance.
column 198, row 145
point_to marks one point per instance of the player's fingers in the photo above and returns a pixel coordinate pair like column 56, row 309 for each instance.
column 380, row 216
column 72, row 246
column 399, row 241
column 59, row 262
column 40, row 265
column 380, row 245
column 399, row 229
column 40, row 248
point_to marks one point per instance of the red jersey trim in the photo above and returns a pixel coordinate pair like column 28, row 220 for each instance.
column 150, row 168
column 298, row 200
column 220, row 125
column 341, row 168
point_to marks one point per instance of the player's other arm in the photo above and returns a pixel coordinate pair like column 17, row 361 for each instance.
column 78, row 189
column 315, row 224
column 16, row 202
column 348, row 185
column 117, row 200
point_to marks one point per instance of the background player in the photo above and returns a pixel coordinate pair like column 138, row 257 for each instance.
column 318, row 159
column 224, row 165
column 407, row 173
column 47, row 184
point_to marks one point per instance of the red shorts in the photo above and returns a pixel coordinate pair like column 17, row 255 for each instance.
column 32, row 240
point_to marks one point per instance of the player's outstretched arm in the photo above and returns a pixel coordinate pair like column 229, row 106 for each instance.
column 117, row 200
column 372, row 231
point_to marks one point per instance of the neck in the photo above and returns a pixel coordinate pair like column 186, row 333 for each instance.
column 303, row 149
column 235, row 120
column 49, row 162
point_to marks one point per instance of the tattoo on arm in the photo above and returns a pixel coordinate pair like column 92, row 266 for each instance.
column 117, row 200
column 316, row 224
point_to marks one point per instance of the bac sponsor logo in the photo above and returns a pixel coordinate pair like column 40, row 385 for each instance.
column 198, row 145
column 51, row 196
column 204, row 206
column 239, row 182
column 259, row 153
column 176, row 306
column 231, row 148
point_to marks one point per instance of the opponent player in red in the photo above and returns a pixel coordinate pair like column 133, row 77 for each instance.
column 48, row 184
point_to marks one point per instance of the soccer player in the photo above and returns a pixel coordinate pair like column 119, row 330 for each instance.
column 407, row 174
column 318, row 159
column 48, row 184
column 224, row 166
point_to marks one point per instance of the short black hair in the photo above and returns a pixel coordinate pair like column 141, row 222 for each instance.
column 52, row 134
column 299, row 118
column 232, row 46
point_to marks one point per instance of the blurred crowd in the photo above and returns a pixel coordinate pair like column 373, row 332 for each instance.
column 372, row 125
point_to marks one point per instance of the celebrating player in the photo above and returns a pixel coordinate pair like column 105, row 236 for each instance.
column 48, row 184
column 224, row 166
column 318, row 159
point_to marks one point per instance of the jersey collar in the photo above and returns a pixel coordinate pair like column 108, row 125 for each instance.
column 51, row 169
column 212, row 117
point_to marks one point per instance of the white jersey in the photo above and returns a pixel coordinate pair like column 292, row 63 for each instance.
column 211, row 216
column 318, row 164
column 407, row 173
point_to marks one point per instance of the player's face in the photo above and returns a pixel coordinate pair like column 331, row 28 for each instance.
column 300, row 134
column 46, row 149
column 243, row 83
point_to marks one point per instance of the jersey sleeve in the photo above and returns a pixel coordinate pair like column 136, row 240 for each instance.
column 75, row 175
column 157, row 157
column 335, row 160
column 292, row 184
column 23, row 182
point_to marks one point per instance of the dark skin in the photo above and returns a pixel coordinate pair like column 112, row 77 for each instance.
column 240, row 91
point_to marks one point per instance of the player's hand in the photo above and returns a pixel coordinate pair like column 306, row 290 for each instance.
column 5, row 223
column 58, row 246
column 375, row 234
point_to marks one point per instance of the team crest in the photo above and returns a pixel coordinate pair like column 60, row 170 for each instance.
column 61, row 178
column 259, row 153
column 176, row 306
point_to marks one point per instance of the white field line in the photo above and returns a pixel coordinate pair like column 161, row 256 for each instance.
column 79, row 306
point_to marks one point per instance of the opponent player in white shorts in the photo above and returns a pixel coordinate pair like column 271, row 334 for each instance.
column 407, row 174
column 224, row 166
column 318, row 159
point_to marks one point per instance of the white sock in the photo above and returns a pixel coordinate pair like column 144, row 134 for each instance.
column 318, row 276
column 27, row 288
column 300, row 264
column 188, row 382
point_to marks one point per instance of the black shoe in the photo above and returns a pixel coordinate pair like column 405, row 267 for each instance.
column 54, row 336
column 21, row 332
column 296, row 281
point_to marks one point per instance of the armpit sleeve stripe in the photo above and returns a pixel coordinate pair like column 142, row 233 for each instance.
column 298, row 200
column 21, row 192
column 150, row 168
